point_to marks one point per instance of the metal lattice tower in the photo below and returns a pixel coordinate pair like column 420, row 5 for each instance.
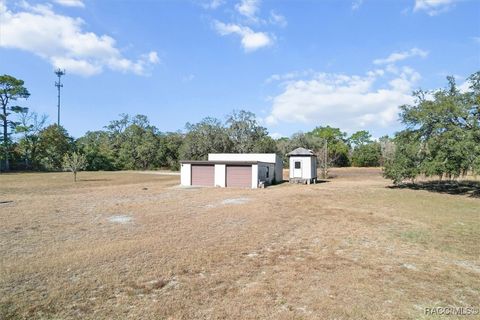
column 59, row 72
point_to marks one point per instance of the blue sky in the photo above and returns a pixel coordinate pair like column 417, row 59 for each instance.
column 295, row 64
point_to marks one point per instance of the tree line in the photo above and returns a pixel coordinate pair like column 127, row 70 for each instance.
column 133, row 143
column 442, row 138
column 442, row 134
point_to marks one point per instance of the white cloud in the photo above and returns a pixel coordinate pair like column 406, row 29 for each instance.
column 250, row 39
column 433, row 7
column 62, row 41
column 213, row 4
column 277, row 19
column 350, row 102
column 153, row 57
column 356, row 4
column 464, row 87
column 188, row 77
column 276, row 135
column 245, row 19
column 71, row 3
column 248, row 8
column 289, row 76
column 398, row 56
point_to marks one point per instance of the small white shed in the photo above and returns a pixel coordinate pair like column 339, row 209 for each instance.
column 233, row 170
column 303, row 166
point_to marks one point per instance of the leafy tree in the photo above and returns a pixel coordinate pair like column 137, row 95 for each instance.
column 53, row 143
column 246, row 134
column 336, row 145
column 443, row 124
column 360, row 138
column 139, row 148
column 170, row 145
column 117, row 127
column 406, row 160
column 473, row 98
column 96, row 147
column 116, row 130
column 134, row 143
column 442, row 137
column 283, row 147
column 29, row 127
column 304, row 140
column 74, row 162
column 207, row 136
column 367, row 155
column 11, row 89
column 329, row 133
column 266, row 144
column 387, row 147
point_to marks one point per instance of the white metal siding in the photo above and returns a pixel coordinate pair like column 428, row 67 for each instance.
column 254, row 180
column 263, row 168
column 308, row 167
column 260, row 157
column 278, row 178
column 314, row 168
column 185, row 174
column 220, row 175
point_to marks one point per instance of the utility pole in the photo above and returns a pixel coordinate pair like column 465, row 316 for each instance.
column 325, row 154
column 59, row 72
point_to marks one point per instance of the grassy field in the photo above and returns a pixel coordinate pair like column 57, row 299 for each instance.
column 125, row 245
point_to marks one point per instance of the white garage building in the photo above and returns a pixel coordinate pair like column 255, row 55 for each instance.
column 244, row 170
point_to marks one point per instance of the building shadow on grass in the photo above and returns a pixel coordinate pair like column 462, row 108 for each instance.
column 468, row 187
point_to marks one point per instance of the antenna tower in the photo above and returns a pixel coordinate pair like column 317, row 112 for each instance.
column 59, row 72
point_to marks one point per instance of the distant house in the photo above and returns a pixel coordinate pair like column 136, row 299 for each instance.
column 244, row 170
column 303, row 166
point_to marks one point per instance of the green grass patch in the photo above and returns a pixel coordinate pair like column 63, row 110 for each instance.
column 417, row 236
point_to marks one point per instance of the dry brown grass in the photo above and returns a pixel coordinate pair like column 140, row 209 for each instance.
column 350, row 248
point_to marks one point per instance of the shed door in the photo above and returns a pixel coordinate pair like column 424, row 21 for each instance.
column 297, row 169
column 203, row 175
column 239, row 176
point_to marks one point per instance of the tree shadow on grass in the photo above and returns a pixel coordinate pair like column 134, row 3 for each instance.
column 467, row 187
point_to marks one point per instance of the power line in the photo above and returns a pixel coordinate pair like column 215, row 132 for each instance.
column 59, row 72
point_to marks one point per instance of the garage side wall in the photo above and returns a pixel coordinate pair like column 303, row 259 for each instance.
column 220, row 175
column 314, row 167
column 186, row 174
column 278, row 170
column 263, row 169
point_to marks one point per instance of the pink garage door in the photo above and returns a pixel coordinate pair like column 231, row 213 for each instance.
column 239, row 176
column 203, row 175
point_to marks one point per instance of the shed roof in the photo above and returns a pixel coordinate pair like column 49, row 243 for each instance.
column 301, row 152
